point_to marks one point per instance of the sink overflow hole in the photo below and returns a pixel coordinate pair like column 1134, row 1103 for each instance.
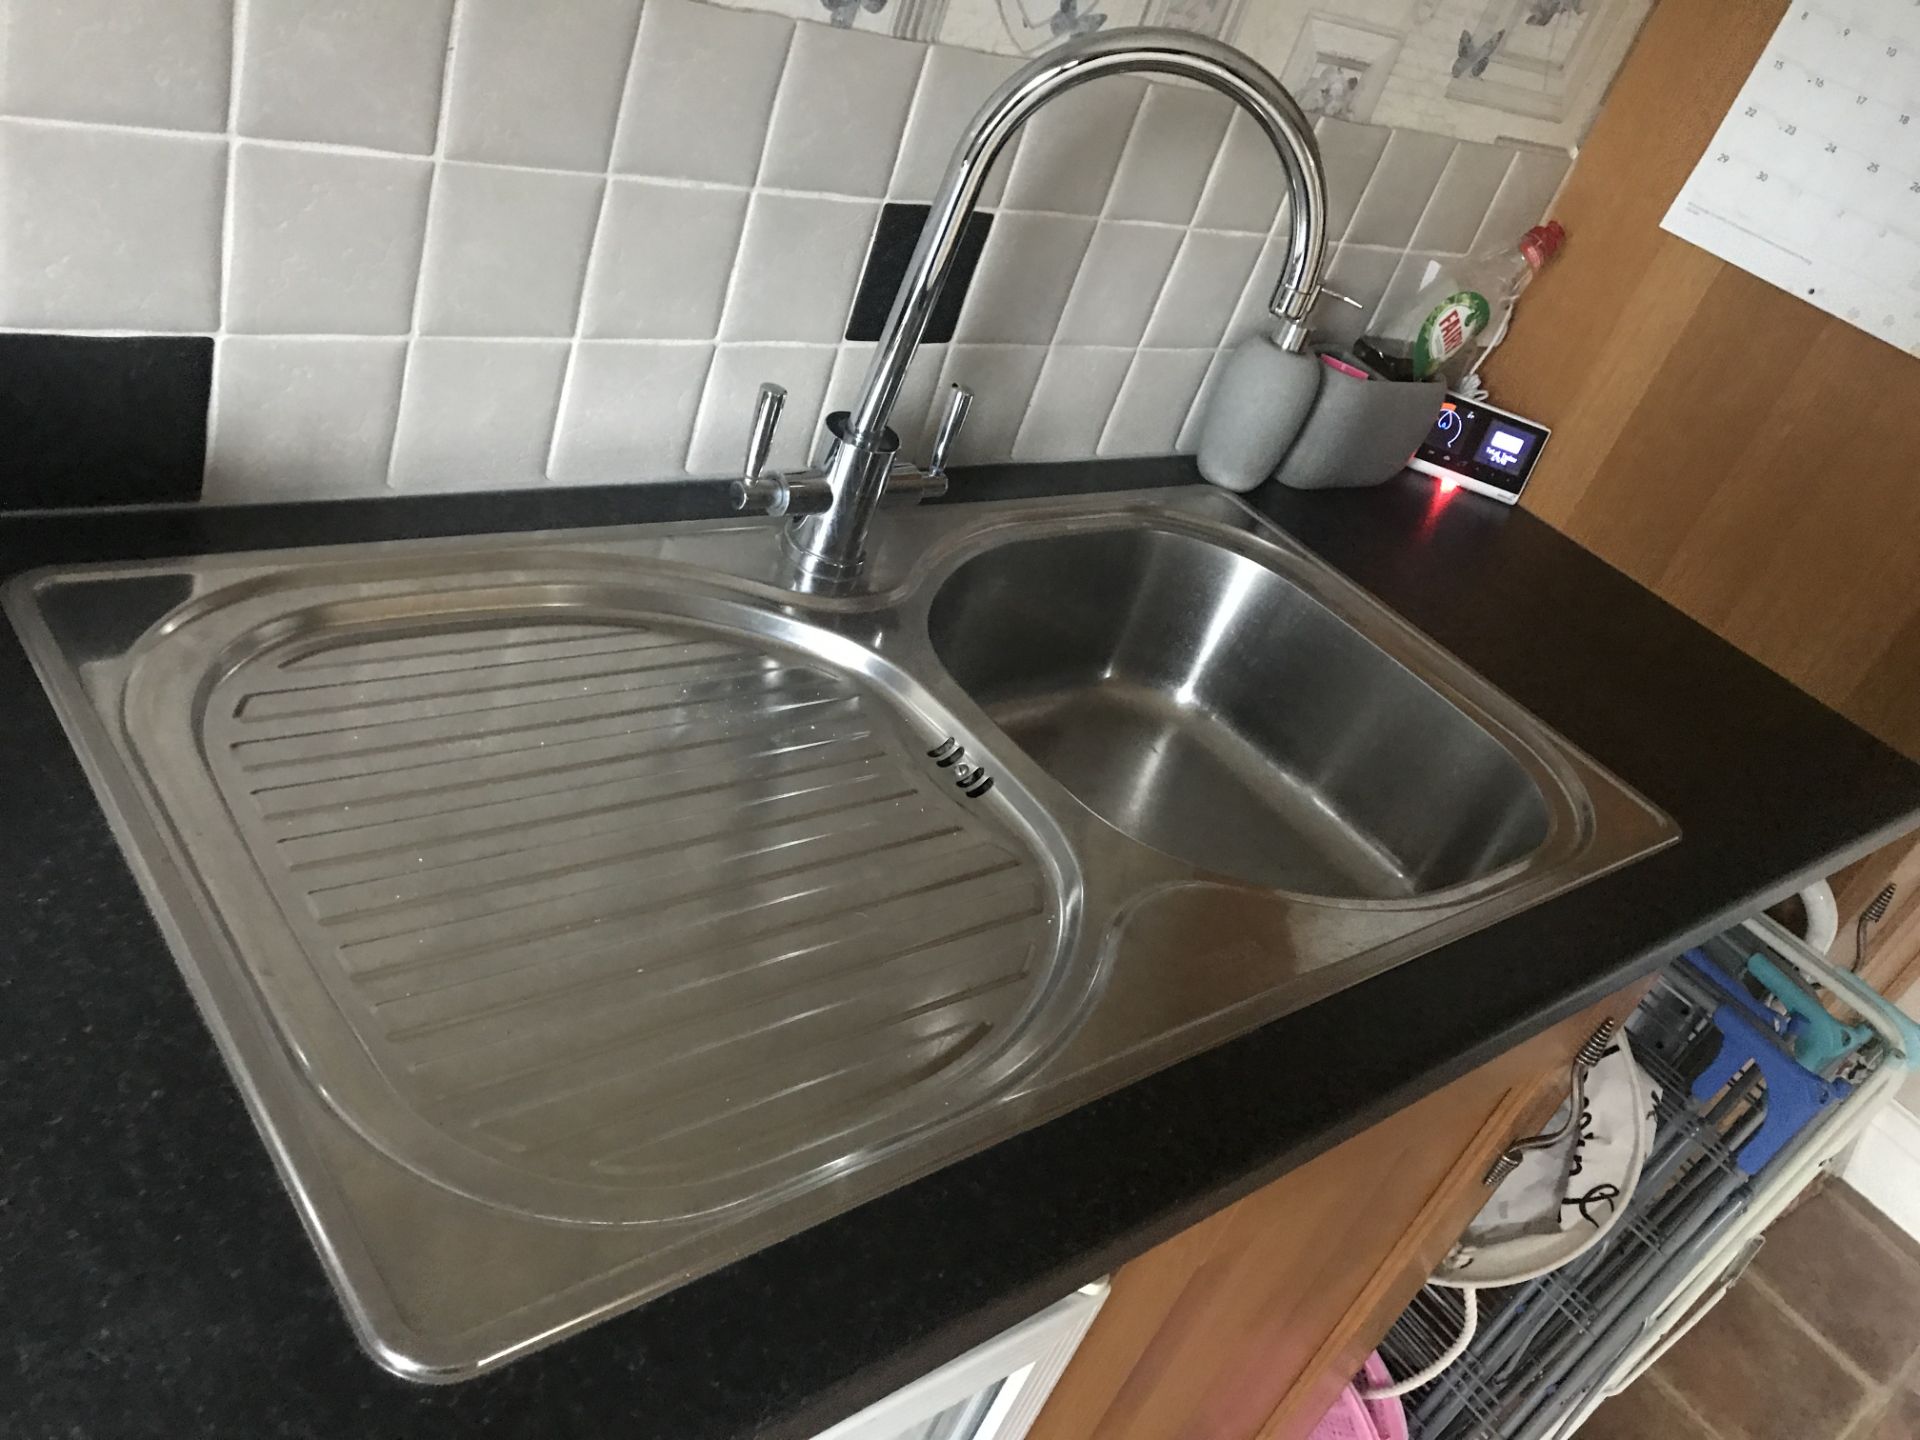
column 951, row 754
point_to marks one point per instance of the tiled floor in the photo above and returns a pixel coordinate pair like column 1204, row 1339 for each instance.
column 1820, row 1341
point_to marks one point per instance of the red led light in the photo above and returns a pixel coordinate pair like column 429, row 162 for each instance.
column 1449, row 485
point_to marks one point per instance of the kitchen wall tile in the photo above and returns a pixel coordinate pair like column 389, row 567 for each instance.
column 1025, row 273
column 1361, row 275
column 662, row 261
column 302, row 419
column 109, row 229
column 726, row 409
column 1071, row 402
column 749, row 152
column 1209, row 276
column 1071, row 149
column 1248, row 182
column 1350, row 154
column 477, row 414
column 896, row 237
column 953, row 86
column 1170, row 154
column 324, row 243
column 1523, row 196
column 1460, row 201
column 628, row 412
column 799, row 261
column 506, row 251
column 1120, row 279
column 850, row 363
column 1410, row 273
column 1402, row 183
column 1153, row 402
column 1252, row 312
column 539, row 84
column 913, row 418
column 347, row 72
column 923, row 403
column 1002, row 378
column 700, row 92
column 838, row 117
column 1189, row 437
column 91, row 420
column 164, row 63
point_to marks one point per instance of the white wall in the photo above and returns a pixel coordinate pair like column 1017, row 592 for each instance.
column 1885, row 1164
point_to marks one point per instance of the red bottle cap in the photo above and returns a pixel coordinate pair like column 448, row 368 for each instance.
column 1543, row 242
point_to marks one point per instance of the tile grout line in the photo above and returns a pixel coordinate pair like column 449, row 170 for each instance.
column 1433, row 199
column 879, row 210
column 1093, row 235
column 1426, row 207
column 1871, row 1408
column 1680, row 1402
column 1166, row 284
column 733, row 275
column 1780, row 1302
column 236, row 38
column 666, row 182
column 398, row 337
column 1907, row 1377
column 1334, row 243
column 1486, row 211
column 1246, row 289
column 593, row 250
column 437, row 160
column 1213, row 173
column 455, row 18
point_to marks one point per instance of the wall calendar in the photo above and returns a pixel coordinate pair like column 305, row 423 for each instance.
column 1812, row 181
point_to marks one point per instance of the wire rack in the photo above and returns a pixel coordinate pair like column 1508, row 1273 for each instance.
column 1547, row 1352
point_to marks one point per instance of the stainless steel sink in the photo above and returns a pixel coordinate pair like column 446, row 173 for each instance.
column 581, row 911
column 1210, row 707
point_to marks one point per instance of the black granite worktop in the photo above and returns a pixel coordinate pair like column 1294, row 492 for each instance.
column 155, row 1281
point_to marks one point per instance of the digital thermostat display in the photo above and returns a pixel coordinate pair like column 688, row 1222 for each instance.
column 1505, row 448
column 1483, row 449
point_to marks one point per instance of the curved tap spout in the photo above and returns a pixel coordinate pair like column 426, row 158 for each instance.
column 1110, row 52
column 861, row 460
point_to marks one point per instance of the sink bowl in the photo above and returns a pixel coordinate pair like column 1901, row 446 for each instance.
column 1210, row 707
column 588, row 903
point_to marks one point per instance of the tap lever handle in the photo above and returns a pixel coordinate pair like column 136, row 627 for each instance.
column 766, row 419
column 959, row 401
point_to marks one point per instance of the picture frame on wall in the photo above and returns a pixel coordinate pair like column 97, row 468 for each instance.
column 1339, row 68
column 1544, row 59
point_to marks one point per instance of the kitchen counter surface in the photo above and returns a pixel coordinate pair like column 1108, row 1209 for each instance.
column 158, row 1282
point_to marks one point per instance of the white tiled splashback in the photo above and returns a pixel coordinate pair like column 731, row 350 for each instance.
column 452, row 244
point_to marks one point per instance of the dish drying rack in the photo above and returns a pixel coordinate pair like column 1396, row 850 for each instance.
column 1759, row 1088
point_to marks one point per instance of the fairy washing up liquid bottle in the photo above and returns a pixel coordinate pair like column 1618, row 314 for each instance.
column 1464, row 305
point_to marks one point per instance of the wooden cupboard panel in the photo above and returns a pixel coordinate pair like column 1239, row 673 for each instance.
column 1743, row 454
column 1539, row 1069
column 1246, row 1324
column 1208, row 1343
column 1600, row 409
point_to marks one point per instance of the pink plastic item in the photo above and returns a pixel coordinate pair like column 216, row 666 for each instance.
column 1352, row 1418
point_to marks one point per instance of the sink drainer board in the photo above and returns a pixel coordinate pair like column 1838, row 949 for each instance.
column 629, row 921
column 580, row 911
